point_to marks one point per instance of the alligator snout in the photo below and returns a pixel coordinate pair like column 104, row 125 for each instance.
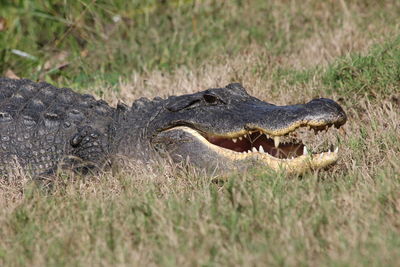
column 327, row 111
column 281, row 120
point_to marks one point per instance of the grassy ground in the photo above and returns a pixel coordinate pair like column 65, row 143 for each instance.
column 283, row 52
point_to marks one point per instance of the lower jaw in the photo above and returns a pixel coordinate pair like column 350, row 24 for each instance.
column 299, row 164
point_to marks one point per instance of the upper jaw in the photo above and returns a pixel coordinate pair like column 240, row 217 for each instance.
column 269, row 119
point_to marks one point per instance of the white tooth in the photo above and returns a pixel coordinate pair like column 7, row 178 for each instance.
column 329, row 152
column 261, row 149
column 249, row 151
column 234, row 140
column 305, row 151
column 337, row 149
column 240, row 138
column 254, row 149
column 276, row 141
column 321, row 155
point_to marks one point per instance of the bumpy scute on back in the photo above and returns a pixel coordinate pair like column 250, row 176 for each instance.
column 40, row 125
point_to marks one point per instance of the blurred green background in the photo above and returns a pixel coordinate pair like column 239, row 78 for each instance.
column 78, row 42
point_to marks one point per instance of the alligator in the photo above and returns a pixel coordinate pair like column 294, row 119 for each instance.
column 44, row 128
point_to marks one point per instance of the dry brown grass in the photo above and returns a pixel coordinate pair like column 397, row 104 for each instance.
column 162, row 215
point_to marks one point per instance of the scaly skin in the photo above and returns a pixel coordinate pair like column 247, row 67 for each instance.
column 43, row 128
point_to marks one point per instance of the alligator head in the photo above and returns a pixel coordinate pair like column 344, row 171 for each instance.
column 227, row 127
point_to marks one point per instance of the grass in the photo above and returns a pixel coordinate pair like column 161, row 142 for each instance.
column 283, row 52
column 374, row 74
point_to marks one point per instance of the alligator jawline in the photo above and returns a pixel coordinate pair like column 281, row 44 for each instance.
column 256, row 144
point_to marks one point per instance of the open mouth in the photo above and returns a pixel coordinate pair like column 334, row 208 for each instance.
column 262, row 143
column 297, row 150
column 280, row 147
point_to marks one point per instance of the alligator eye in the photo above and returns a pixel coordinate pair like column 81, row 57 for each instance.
column 211, row 99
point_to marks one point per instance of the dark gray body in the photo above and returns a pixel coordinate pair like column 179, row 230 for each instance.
column 41, row 124
column 43, row 127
